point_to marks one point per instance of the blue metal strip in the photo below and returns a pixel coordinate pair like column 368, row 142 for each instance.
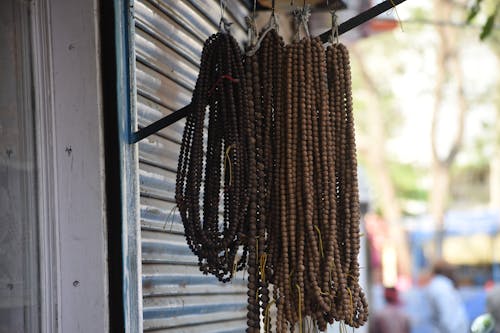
column 132, row 290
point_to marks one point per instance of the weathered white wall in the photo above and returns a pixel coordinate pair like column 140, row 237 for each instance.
column 19, row 283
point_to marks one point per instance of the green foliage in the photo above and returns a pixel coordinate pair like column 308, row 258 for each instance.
column 407, row 179
column 490, row 23
column 491, row 10
column 420, row 13
column 474, row 10
column 408, row 183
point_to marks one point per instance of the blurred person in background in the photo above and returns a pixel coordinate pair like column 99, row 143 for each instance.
column 392, row 318
column 448, row 313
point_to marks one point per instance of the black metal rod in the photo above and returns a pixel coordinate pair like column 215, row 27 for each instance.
column 325, row 37
column 361, row 18
column 160, row 124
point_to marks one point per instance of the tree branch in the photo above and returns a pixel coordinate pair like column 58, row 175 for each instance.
column 462, row 110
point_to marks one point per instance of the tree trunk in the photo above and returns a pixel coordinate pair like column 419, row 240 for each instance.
column 495, row 165
column 495, row 159
column 447, row 64
column 439, row 201
column 376, row 159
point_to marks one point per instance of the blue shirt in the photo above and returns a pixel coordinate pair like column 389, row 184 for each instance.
column 448, row 314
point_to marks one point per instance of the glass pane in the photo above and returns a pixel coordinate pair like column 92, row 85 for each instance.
column 19, row 277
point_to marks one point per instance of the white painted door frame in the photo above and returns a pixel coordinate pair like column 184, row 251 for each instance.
column 70, row 156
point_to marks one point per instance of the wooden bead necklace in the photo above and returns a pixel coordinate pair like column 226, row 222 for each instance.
column 281, row 145
column 220, row 89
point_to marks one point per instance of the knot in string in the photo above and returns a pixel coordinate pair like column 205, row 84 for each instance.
column 335, row 27
column 224, row 24
column 251, row 30
column 301, row 18
column 272, row 24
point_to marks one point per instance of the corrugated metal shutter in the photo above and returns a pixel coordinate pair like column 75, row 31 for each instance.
column 168, row 40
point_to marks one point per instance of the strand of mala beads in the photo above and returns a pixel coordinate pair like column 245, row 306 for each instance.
column 253, row 314
column 282, row 270
column 351, row 299
column 262, row 76
column 305, row 213
column 324, row 183
column 207, row 169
